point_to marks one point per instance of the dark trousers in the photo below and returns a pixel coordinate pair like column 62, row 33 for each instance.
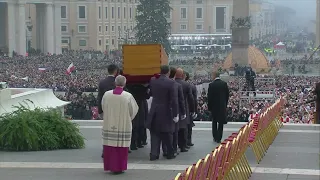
column 157, row 138
column 217, row 131
column 189, row 137
column 134, row 137
column 174, row 141
column 139, row 136
column 143, row 135
column 250, row 85
column 182, row 137
column 175, row 138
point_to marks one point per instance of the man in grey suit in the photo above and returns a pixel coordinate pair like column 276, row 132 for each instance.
column 218, row 97
column 163, row 113
column 189, row 106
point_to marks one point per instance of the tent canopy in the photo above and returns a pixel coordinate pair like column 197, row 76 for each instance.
column 280, row 44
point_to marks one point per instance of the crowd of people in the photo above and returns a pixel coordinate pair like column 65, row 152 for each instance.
column 297, row 89
column 80, row 87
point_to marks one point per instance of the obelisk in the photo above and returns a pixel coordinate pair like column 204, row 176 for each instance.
column 318, row 24
column 240, row 25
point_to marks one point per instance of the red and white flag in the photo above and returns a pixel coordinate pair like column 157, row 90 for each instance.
column 70, row 69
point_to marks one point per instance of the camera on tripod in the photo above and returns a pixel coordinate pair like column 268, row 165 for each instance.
column 250, row 75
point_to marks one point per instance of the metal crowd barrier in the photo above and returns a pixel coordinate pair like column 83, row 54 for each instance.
column 228, row 161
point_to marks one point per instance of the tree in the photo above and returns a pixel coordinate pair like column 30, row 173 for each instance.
column 152, row 25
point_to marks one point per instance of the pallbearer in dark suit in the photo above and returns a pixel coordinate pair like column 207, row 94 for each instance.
column 192, row 116
column 218, row 97
column 163, row 113
column 106, row 84
column 189, row 106
column 139, row 92
column 182, row 111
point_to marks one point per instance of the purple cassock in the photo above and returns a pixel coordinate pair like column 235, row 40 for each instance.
column 115, row 159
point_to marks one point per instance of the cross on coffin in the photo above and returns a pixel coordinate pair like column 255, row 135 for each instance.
column 113, row 128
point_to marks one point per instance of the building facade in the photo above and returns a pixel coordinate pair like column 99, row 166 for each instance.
column 200, row 22
column 284, row 18
column 53, row 25
column 263, row 19
column 96, row 24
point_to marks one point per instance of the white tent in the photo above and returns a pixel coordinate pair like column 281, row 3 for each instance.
column 280, row 44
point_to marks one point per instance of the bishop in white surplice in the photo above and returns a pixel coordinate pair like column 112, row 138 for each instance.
column 119, row 109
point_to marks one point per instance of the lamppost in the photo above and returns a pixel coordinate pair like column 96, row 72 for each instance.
column 29, row 32
column 126, row 39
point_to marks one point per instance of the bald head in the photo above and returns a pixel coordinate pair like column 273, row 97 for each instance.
column 215, row 74
column 179, row 73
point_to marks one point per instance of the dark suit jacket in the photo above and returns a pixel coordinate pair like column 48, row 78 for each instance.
column 182, row 108
column 188, row 102
column 195, row 97
column 164, row 106
column 218, row 97
column 317, row 92
column 105, row 85
column 139, row 92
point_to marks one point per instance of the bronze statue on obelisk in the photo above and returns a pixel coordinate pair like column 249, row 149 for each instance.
column 240, row 26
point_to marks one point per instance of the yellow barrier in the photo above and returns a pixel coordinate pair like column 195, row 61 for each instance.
column 228, row 161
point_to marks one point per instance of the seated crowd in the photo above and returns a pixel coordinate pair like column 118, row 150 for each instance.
column 80, row 87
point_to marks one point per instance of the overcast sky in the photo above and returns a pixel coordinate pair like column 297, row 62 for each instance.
column 305, row 9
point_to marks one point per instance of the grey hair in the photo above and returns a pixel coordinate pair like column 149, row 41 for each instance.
column 120, row 81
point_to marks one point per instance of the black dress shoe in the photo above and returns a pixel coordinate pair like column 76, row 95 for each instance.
column 144, row 143
column 187, row 147
column 190, row 144
column 133, row 148
column 172, row 156
column 218, row 141
column 176, row 153
column 140, row 146
column 153, row 158
column 183, row 150
column 164, row 154
column 129, row 151
column 117, row 173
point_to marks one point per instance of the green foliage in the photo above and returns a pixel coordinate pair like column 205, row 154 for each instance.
column 152, row 24
column 38, row 130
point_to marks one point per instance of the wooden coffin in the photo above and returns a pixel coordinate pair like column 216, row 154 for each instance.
column 143, row 59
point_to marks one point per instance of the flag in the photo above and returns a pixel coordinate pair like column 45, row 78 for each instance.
column 94, row 111
column 70, row 69
column 25, row 78
column 42, row 69
column 14, row 77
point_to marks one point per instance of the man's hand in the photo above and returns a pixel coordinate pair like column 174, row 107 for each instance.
column 195, row 116
column 176, row 119
column 183, row 117
column 100, row 116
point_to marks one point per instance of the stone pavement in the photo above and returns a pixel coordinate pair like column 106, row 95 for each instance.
column 293, row 156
